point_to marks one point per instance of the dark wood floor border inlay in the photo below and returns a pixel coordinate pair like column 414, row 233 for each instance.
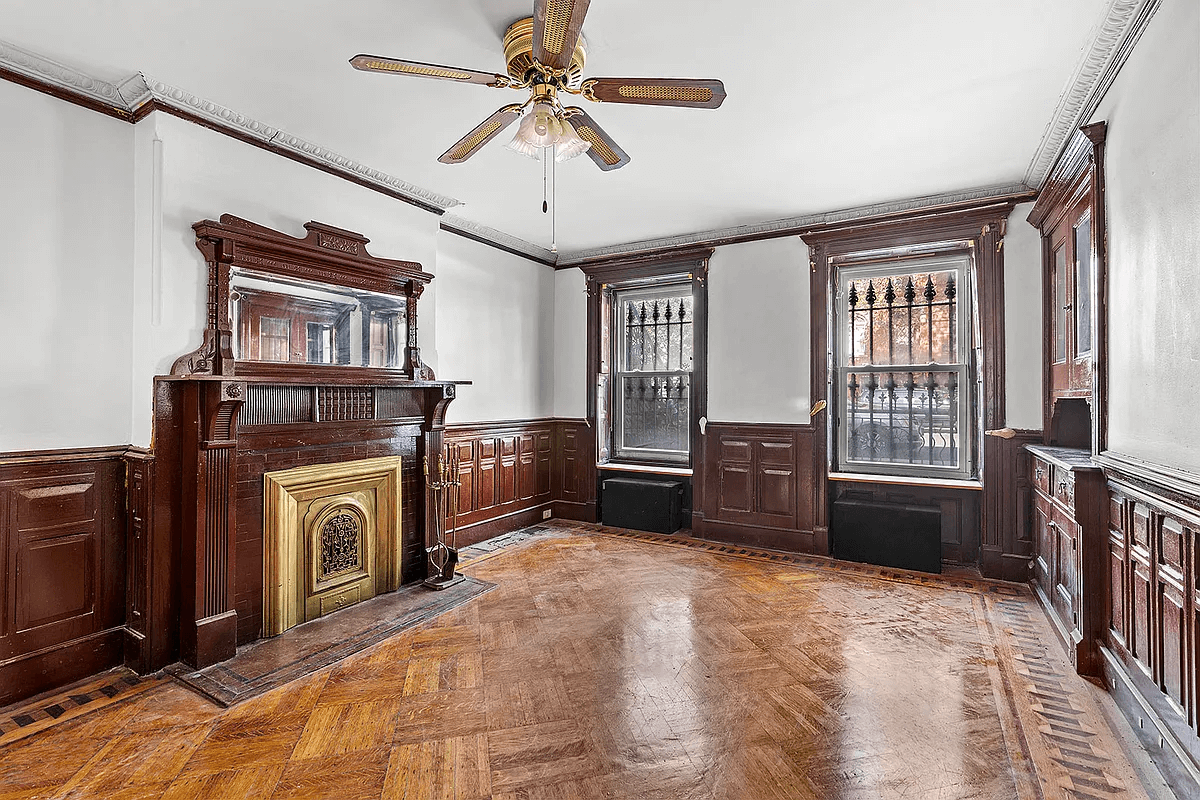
column 24, row 719
column 1057, row 719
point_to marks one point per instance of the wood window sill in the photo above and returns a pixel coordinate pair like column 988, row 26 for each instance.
column 905, row 480
column 646, row 469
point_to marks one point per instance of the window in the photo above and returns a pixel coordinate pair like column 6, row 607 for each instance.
column 652, row 372
column 903, row 372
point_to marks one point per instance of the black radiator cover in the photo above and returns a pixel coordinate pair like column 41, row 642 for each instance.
column 887, row 534
column 643, row 505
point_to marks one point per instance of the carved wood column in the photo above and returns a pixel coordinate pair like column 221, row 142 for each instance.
column 208, row 621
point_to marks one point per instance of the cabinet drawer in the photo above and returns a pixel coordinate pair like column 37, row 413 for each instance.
column 1042, row 474
column 1063, row 488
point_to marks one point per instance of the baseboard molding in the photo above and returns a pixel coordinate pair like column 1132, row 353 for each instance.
column 579, row 512
column 33, row 673
column 504, row 523
column 791, row 541
column 1175, row 760
column 995, row 563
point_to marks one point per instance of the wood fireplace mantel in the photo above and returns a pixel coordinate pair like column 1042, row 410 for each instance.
column 221, row 423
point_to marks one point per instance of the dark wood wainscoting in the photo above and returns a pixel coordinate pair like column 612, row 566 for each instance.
column 505, row 472
column 758, row 487
column 511, row 472
column 1007, row 544
column 1154, row 607
column 62, row 557
column 574, row 482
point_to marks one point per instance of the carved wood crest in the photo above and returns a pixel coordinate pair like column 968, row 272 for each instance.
column 327, row 255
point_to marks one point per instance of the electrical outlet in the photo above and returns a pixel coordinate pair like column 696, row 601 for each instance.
column 546, row 514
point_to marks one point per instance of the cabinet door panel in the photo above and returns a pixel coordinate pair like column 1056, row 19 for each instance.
column 1058, row 370
column 735, row 488
column 1116, row 585
column 1066, row 577
column 1045, row 569
column 1081, row 302
column 1172, row 614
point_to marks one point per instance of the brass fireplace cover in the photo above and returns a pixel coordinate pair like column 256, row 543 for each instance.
column 331, row 538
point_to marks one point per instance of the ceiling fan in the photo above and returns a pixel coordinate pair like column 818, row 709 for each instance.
column 545, row 54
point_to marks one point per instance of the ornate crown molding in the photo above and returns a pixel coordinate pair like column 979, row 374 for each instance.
column 498, row 239
column 44, row 70
column 792, row 225
column 1118, row 32
column 135, row 91
column 140, row 91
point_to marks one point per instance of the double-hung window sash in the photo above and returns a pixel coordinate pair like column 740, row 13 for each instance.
column 653, row 368
column 903, row 378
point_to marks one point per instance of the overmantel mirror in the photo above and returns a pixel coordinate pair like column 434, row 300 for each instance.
column 281, row 306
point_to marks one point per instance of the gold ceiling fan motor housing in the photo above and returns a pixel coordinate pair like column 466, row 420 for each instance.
column 518, row 53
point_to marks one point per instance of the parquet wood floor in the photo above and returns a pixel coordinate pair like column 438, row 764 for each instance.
column 608, row 667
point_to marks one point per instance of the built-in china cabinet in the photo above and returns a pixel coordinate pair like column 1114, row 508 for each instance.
column 1068, row 487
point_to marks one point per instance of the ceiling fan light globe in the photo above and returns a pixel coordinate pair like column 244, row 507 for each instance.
column 519, row 145
column 570, row 145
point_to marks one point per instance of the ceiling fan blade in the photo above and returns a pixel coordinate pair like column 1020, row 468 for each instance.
column 483, row 133
column 607, row 154
column 686, row 92
column 419, row 69
column 556, row 26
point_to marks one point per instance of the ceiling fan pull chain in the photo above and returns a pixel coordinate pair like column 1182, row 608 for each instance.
column 544, row 209
column 553, row 151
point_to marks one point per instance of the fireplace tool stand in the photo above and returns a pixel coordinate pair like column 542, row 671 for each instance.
column 443, row 558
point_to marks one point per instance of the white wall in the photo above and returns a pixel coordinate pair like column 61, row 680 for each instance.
column 570, row 343
column 205, row 174
column 496, row 322
column 1023, row 322
column 1153, row 198
column 758, row 332
column 66, row 220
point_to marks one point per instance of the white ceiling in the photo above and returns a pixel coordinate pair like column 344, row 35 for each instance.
column 831, row 104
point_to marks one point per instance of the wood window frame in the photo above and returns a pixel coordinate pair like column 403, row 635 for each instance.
column 617, row 340
column 952, row 256
column 977, row 227
column 602, row 274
